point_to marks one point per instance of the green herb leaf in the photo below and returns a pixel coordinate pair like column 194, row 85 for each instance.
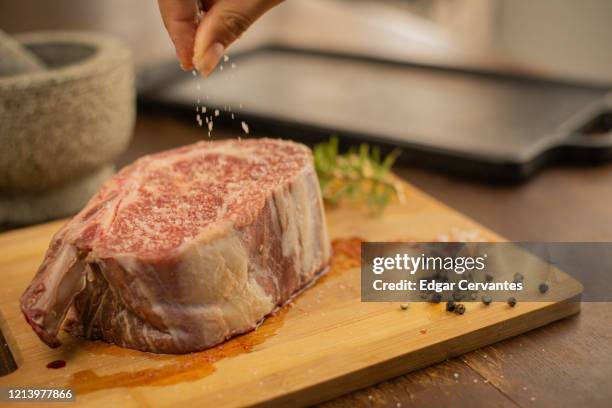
column 360, row 174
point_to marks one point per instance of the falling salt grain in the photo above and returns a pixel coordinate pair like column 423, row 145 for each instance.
column 533, row 399
column 217, row 112
column 194, row 73
column 370, row 397
column 233, row 117
column 225, row 58
column 475, row 380
column 233, row 65
column 456, row 375
column 210, row 126
column 245, row 127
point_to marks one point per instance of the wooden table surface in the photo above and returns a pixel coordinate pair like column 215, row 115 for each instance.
column 565, row 364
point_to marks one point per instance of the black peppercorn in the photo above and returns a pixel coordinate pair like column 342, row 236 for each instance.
column 486, row 299
column 489, row 277
column 460, row 309
column 436, row 298
column 450, row 306
column 518, row 277
column 543, row 288
column 512, row 301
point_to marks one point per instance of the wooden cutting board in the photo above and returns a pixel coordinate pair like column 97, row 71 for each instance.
column 326, row 343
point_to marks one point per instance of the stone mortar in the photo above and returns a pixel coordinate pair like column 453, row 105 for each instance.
column 18, row 209
column 66, row 122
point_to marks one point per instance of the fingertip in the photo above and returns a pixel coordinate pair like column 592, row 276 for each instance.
column 206, row 62
column 186, row 64
column 185, row 57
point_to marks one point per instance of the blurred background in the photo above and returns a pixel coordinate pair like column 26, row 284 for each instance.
column 484, row 91
column 560, row 38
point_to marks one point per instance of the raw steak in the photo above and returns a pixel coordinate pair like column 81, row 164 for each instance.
column 184, row 249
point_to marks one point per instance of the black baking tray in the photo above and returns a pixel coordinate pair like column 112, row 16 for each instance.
column 492, row 126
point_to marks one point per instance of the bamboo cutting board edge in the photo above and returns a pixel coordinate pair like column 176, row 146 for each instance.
column 437, row 353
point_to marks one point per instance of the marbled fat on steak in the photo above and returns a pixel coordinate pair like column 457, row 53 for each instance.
column 184, row 249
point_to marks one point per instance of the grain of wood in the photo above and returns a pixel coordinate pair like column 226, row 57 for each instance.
column 516, row 366
column 428, row 387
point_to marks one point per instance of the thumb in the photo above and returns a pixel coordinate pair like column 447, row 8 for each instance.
column 223, row 23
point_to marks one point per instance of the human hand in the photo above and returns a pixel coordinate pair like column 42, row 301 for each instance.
column 201, row 45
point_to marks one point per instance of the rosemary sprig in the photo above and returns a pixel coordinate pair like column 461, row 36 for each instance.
column 360, row 174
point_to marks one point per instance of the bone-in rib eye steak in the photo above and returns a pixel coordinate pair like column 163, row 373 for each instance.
column 183, row 249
